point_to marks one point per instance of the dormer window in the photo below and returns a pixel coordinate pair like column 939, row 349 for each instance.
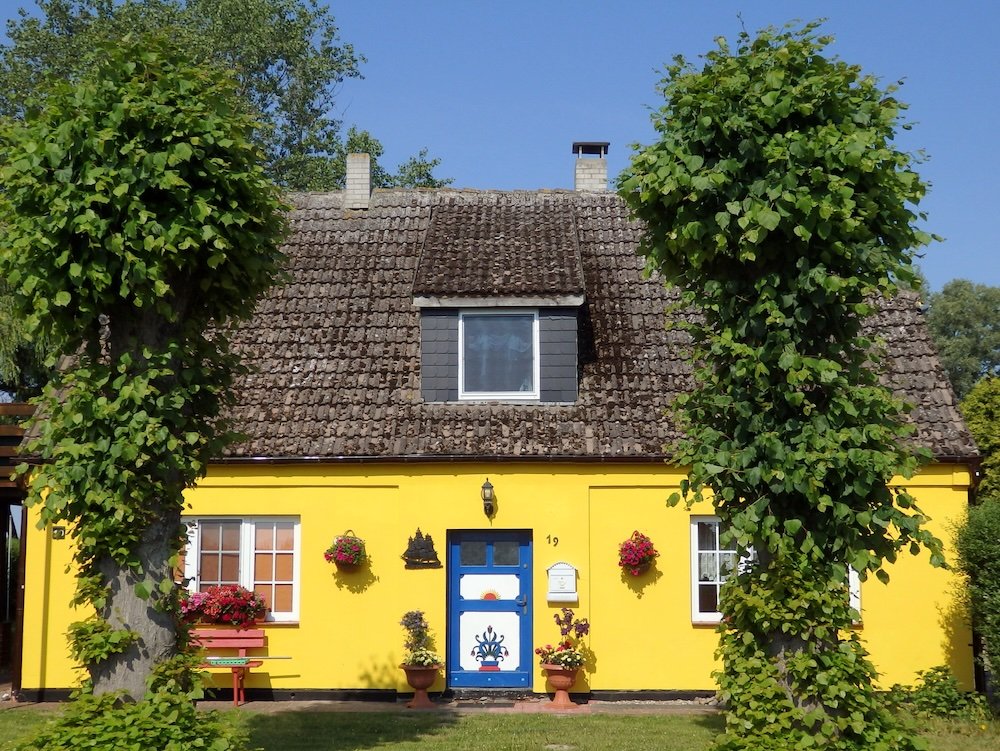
column 498, row 355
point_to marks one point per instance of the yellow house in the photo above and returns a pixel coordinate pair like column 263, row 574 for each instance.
column 433, row 344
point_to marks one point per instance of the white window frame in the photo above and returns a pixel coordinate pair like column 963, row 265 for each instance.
column 699, row 616
column 247, row 550
column 525, row 396
column 854, row 587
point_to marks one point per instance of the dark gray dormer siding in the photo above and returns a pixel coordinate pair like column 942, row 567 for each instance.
column 558, row 353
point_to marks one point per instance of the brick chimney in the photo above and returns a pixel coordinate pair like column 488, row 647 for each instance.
column 591, row 165
column 358, row 185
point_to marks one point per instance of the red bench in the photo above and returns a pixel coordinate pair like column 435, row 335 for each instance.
column 236, row 659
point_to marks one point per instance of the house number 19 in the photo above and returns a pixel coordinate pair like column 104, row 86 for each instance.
column 553, row 541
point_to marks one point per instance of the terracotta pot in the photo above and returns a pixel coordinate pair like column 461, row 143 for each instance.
column 420, row 678
column 562, row 680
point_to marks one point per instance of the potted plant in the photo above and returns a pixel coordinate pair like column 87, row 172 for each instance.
column 225, row 605
column 562, row 661
column 347, row 552
column 421, row 664
column 637, row 554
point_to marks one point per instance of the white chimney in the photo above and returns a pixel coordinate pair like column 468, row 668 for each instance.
column 591, row 165
column 358, row 185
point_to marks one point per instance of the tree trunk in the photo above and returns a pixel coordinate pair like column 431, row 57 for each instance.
column 157, row 640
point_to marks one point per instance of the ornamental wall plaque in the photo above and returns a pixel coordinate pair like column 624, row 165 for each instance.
column 420, row 552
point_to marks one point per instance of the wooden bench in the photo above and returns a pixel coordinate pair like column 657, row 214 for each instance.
column 236, row 642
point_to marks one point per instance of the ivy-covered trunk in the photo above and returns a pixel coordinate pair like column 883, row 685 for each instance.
column 776, row 202
column 792, row 662
column 146, row 611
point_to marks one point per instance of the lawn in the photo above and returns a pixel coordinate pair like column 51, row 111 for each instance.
column 319, row 730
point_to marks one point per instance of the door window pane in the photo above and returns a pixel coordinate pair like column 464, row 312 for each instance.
column 506, row 553
column 472, row 553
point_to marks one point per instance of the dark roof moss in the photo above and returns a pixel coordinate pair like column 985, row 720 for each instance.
column 336, row 358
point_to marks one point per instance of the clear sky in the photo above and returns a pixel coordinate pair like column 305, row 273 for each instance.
column 500, row 90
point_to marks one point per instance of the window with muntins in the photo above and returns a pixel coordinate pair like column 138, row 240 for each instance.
column 711, row 565
column 498, row 355
column 261, row 554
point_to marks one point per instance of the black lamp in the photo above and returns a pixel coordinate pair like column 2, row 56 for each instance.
column 487, row 494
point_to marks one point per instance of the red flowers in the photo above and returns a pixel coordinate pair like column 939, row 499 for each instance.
column 346, row 548
column 228, row 604
column 636, row 554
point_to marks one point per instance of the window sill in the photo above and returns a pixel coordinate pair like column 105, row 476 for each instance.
column 705, row 621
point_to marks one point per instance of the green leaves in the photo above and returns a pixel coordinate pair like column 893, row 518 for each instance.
column 140, row 284
column 788, row 426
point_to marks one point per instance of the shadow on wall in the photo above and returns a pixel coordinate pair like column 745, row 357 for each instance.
column 355, row 581
column 956, row 628
column 639, row 583
column 381, row 675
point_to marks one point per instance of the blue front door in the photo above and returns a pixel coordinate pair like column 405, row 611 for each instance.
column 489, row 609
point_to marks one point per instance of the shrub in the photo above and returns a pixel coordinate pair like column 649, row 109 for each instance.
column 937, row 694
column 977, row 544
column 162, row 721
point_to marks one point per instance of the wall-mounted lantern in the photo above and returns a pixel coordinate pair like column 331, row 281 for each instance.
column 489, row 506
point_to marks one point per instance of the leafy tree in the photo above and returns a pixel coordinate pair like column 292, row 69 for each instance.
column 964, row 320
column 977, row 544
column 288, row 62
column 978, row 539
column 286, row 56
column 23, row 368
column 138, row 224
column 981, row 410
column 775, row 200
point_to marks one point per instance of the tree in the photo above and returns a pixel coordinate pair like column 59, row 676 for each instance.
column 138, row 225
column 775, row 200
column 978, row 538
column 964, row 320
column 288, row 62
column 981, row 410
column 286, row 56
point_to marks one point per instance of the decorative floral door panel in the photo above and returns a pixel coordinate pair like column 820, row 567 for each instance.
column 489, row 609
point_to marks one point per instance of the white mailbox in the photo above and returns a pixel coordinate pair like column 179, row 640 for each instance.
column 562, row 583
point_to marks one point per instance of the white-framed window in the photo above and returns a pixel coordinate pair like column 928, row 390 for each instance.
column 498, row 354
column 712, row 564
column 259, row 553
column 854, row 586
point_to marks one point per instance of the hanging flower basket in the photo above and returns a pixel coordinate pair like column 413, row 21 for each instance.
column 347, row 552
column 637, row 554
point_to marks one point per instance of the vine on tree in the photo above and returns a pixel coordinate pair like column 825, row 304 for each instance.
column 775, row 200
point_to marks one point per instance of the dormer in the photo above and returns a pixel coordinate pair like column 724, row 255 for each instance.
column 500, row 288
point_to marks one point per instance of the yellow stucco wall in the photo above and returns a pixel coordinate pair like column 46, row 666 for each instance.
column 348, row 636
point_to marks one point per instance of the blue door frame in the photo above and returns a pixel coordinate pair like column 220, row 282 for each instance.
column 488, row 553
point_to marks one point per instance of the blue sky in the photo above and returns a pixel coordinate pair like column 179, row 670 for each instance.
column 499, row 91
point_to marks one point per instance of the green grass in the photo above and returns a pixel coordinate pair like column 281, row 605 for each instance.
column 304, row 731
column 319, row 730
